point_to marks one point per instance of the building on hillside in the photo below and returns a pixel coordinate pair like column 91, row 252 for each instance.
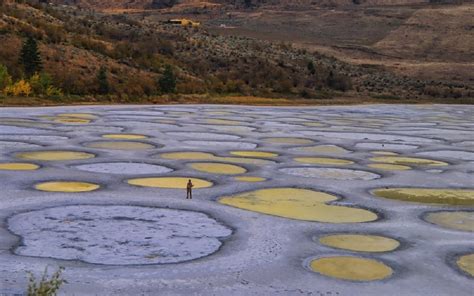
column 184, row 22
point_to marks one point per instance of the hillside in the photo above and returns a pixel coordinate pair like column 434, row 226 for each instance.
column 135, row 50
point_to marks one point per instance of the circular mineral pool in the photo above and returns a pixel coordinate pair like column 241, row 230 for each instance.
column 299, row 204
column 89, row 233
column 253, row 153
column 457, row 220
column 250, row 179
column 466, row 264
column 455, row 197
column 124, row 168
column 54, row 155
column 124, row 136
column 408, row 161
column 120, row 145
column 360, row 242
column 66, row 186
column 323, row 161
column 331, row 173
column 389, row 167
column 289, row 141
column 351, row 268
column 169, row 182
column 218, row 168
column 18, row 166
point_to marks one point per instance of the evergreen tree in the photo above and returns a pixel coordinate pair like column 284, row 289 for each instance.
column 5, row 78
column 167, row 82
column 30, row 57
column 311, row 68
column 102, row 81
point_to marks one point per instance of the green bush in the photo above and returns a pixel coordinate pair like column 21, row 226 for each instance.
column 46, row 286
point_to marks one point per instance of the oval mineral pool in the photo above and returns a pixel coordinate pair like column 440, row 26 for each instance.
column 223, row 121
column 253, row 153
column 331, row 173
column 71, row 120
column 124, row 168
column 289, row 141
column 386, row 153
column 78, row 115
column 250, row 179
column 325, row 149
column 117, row 234
column 124, row 136
column 323, row 161
column 408, row 161
column 210, row 156
column 65, row 186
column 351, row 268
column 187, row 155
column 466, row 264
column 169, row 182
column 458, row 220
column 360, row 242
column 54, row 155
column 18, row 166
column 455, row 197
column 218, row 168
column 389, row 167
column 120, row 145
column 299, row 204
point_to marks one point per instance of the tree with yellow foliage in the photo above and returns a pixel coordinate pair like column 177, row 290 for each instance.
column 20, row 88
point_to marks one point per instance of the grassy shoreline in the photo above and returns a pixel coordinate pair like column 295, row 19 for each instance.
column 223, row 100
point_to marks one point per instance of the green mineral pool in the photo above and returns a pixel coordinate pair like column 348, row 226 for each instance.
column 299, row 204
column 457, row 220
column 454, row 197
column 408, row 161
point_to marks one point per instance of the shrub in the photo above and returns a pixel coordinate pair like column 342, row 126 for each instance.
column 45, row 287
column 20, row 88
column 40, row 83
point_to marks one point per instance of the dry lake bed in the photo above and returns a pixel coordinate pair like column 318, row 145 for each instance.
column 346, row 200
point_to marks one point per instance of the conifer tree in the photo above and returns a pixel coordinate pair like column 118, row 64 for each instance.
column 103, row 81
column 30, row 57
column 167, row 82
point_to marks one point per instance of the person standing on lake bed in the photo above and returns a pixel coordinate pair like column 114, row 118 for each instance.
column 189, row 190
